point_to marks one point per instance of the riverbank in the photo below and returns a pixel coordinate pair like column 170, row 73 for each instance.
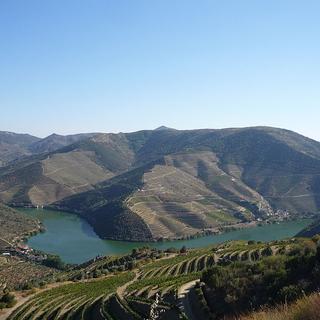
column 281, row 217
column 74, row 240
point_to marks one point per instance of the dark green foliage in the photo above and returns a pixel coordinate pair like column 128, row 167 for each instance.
column 243, row 286
column 183, row 249
column 54, row 262
column 8, row 300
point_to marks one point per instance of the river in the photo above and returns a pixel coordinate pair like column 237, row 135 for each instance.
column 74, row 240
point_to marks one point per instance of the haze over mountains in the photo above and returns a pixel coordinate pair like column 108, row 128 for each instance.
column 164, row 183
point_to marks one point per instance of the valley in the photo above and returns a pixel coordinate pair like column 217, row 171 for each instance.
column 138, row 225
column 168, row 184
column 74, row 240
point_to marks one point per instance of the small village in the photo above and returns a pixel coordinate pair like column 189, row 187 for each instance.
column 23, row 251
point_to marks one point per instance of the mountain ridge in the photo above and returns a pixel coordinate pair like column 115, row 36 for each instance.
column 155, row 184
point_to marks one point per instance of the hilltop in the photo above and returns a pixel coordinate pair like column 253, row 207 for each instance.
column 167, row 183
column 13, row 146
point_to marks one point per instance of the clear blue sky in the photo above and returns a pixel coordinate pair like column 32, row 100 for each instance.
column 71, row 66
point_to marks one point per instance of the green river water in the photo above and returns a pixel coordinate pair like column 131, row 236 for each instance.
column 74, row 240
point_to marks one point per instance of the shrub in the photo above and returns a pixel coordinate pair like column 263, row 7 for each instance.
column 290, row 293
column 54, row 262
column 241, row 286
column 8, row 300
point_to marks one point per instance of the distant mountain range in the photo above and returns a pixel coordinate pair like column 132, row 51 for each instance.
column 164, row 183
column 14, row 146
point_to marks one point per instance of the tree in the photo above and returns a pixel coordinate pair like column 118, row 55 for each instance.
column 183, row 249
column 54, row 262
column 8, row 300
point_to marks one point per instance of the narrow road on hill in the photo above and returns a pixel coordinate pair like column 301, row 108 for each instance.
column 121, row 290
column 184, row 301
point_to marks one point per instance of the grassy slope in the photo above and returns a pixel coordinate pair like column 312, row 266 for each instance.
column 306, row 308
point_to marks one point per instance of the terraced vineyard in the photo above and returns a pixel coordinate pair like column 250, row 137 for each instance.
column 72, row 301
column 151, row 287
column 175, row 203
column 163, row 277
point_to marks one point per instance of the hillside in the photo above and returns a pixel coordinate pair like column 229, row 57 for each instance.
column 48, row 177
column 14, row 225
column 167, row 183
column 14, row 146
column 218, row 282
column 306, row 308
column 15, row 269
column 311, row 230
column 186, row 182
column 55, row 142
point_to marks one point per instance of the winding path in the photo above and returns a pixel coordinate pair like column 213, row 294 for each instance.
column 183, row 299
column 121, row 290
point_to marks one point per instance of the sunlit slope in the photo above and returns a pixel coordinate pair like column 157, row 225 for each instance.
column 163, row 200
column 55, row 142
column 129, row 287
column 174, row 201
column 50, row 179
column 188, row 181
column 170, row 183
column 46, row 178
column 13, row 146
